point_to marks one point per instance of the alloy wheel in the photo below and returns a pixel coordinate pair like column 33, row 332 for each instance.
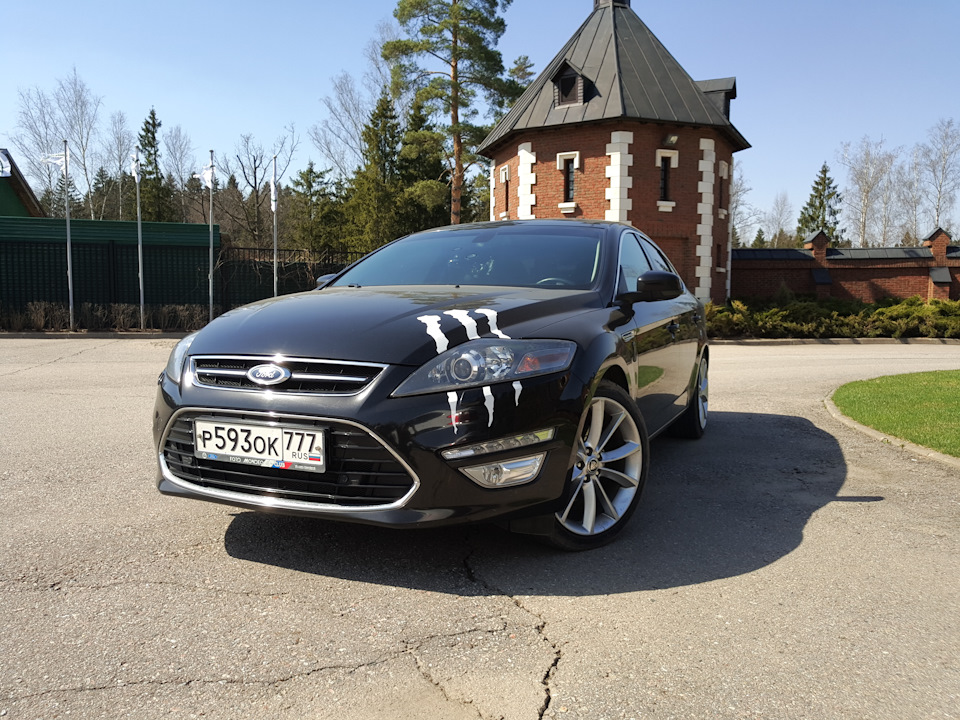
column 606, row 475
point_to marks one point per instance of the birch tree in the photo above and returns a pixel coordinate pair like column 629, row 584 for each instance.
column 44, row 121
column 118, row 148
column 941, row 168
column 908, row 179
column 179, row 163
column 868, row 163
column 79, row 115
column 743, row 215
column 339, row 136
column 779, row 219
column 37, row 136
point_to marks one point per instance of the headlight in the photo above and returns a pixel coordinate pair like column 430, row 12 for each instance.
column 488, row 361
column 174, row 367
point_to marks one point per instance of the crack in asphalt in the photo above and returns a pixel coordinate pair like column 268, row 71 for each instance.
column 119, row 684
column 62, row 357
column 67, row 585
column 539, row 627
column 425, row 673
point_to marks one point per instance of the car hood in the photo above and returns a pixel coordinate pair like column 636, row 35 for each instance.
column 403, row 326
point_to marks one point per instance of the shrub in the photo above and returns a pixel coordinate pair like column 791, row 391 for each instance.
column 835, row 318
column 40, row 316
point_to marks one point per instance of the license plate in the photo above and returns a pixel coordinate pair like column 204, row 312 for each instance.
column 290, row 448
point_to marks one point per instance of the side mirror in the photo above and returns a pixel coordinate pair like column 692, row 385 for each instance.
column 655, row 285
column 324, row 279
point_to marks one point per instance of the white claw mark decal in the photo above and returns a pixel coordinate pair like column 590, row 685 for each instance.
column 517, row 389
column 454, row 415
column 468, row 322
column 492, row 317
column 488, row 401
column 433, row 330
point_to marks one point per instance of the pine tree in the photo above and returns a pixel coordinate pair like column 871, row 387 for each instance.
column 155, row 195
column 102, row 198
column 375, row 189
column 759, row 241
column 316, row 211
column 423, row 175
column 822, row 211
column 54, row 201
column 462, row 35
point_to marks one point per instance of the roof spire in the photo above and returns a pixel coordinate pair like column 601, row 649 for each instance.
column 604, row 3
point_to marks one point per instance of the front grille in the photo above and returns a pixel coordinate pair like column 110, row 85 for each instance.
column 308, row 377
column 360, row 470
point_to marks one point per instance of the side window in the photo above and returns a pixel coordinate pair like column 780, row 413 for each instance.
column 657, row 259
column 633, row 262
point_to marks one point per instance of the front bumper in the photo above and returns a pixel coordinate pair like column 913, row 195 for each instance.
column 403, row 480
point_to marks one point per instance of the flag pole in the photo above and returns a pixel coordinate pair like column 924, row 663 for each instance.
column 66, row 175
column 136, row 177
column 273, row 203
column 211, row 235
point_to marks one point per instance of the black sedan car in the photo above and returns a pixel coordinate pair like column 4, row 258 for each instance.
column 512, row 371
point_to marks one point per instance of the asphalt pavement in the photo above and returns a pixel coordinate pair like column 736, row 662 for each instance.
column 784, row 566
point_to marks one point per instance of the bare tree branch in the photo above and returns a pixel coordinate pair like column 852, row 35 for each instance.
column 38, row 136
column 79, row 114
column 941, row 168
column 867, row 163
column 179, row 163
column 118, row 147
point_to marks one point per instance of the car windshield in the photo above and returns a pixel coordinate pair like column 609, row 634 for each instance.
column 509, row 255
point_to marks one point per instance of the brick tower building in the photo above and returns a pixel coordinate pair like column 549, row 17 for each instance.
column 615, row 129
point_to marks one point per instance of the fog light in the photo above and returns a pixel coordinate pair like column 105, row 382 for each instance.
column 492, row 446
column 507, row 473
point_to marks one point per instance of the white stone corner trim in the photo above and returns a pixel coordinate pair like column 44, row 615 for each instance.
column 708, row 174
column 619, row 174
column 493, row 195
column 526, row 179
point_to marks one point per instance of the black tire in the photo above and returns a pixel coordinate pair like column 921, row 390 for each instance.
column 694, row 419
column 609, row 473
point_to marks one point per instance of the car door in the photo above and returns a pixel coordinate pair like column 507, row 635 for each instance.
column 649, row 338
column 684, row 312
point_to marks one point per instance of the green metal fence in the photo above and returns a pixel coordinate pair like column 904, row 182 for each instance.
column 33, row 265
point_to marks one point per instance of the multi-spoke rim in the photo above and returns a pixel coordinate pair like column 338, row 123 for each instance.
column 606, row 476
column 703, row 393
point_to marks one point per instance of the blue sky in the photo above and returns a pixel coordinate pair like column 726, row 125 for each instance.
column 810, row 75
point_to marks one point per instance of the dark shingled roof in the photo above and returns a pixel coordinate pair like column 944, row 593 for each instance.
column 900, row 253
column 940, row 275
column 628, row 74
column 771, row 254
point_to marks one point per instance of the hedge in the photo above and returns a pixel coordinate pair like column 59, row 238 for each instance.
column 835, row 319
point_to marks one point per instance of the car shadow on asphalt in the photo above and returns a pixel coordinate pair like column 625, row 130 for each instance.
column 728, row 504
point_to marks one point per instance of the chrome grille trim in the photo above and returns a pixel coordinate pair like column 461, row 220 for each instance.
column 255, row 497
column 308, row 376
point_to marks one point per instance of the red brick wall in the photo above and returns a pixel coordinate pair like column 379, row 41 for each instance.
column 762, row 279
column 865, row 280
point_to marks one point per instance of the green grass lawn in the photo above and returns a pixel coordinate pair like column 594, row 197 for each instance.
column 923, row 408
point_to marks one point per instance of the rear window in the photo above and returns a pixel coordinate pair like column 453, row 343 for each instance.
column 505, row 255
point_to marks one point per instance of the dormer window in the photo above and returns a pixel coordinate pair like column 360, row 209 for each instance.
column 568, row 87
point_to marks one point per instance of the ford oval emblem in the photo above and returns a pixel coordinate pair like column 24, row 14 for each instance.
column 268, row 374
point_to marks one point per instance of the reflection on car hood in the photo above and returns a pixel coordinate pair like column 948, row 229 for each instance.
column 395, row 325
